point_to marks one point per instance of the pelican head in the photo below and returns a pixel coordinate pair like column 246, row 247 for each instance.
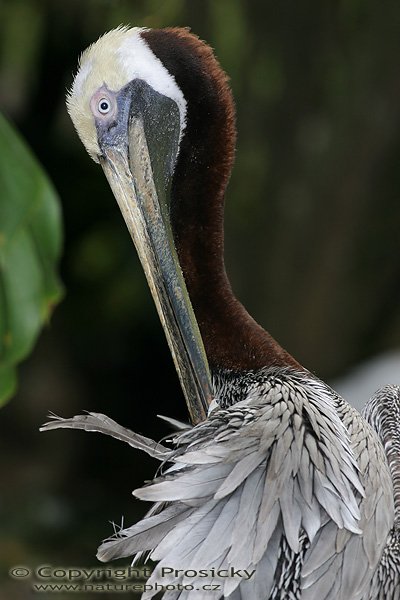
column 113, row 77
column 131, row 115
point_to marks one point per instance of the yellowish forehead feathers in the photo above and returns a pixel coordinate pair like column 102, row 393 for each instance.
column 117, row 58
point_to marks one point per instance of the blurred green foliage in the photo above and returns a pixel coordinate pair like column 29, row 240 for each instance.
column 30, row 244
column 312, row 242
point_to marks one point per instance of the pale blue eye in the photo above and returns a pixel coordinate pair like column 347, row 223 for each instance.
column 104, row 106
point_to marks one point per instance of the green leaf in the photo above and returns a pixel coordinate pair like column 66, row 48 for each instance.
column 30, row 245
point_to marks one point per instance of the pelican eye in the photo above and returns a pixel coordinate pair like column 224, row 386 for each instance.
column 104, row 106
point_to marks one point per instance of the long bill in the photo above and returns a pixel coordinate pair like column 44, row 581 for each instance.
column 130, row 176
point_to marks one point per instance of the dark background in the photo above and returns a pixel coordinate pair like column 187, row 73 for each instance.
column 312, row 239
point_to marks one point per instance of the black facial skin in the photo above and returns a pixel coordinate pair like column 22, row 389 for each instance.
column 161, row 122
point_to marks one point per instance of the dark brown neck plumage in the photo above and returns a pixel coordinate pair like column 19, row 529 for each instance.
column 232, row 339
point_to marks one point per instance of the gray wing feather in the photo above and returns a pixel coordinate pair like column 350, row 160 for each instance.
column 192, row 484
column 144, row 535
column 247, row 483
column 178, row 425
column 356, row 556
column 277, row 454
column 382, row 411
column 244, row 528
column 103, row 424
column 222, row 527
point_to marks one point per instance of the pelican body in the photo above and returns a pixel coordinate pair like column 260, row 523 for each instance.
column 278, row 478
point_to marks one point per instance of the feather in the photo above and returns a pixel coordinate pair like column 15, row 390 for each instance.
column 178, row 425
column 145, row 535
column 196, row 483
column 311, row 518
column 323, row 586
column 266, row 568
column 263, row 485
column 265, row 529
column 103, row 424
column 322, row 551
column 243, row 537
column 291, row 516
column 309, row 578
column 206, row 513
column 239, row 473
column 221, row 529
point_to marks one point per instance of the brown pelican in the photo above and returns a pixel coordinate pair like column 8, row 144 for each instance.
column 280, row 489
